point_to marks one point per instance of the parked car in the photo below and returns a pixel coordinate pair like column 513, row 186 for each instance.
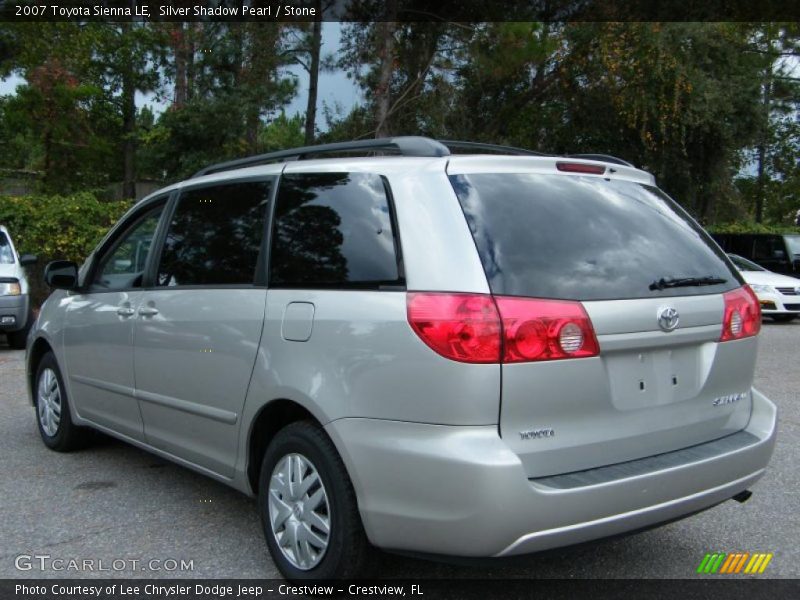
column 779, row 253
column 15, row 306
column 330, row 335
column 778, row 295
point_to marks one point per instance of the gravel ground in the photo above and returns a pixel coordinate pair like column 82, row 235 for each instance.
column 113, row 501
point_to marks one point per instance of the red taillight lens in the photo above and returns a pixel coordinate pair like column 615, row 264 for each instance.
column 742, row 316
column 468, row 327
column 462, row 327
column 569, row 167
column 536, row 329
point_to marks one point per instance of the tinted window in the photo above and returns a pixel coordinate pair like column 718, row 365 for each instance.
column 6, row 255
column 333, row 230
column 734, row 243
column 793, row 242
column 740, row 244
column 122, row 266
column 768, row 248
column 215, row 235
column 584, row 238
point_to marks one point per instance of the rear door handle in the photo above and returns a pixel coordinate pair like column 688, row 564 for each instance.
column 148, row 311
column 125, row 311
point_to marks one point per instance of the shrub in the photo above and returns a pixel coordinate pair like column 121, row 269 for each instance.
column 751, row 227
column 57, row 227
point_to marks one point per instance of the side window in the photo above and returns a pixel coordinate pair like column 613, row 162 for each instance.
column 769, row 248
column 6, row 254
column 741, row 245
column 333, row 230
column 122, row 266
column 215, row 235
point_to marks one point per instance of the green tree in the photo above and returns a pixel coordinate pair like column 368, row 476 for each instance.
column 61, row 110
column 773, row 193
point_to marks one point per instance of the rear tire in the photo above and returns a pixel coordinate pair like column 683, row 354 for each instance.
column 784, row 318
column 304, row 490
column 52, row 409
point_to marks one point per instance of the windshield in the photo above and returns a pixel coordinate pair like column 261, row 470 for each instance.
column 6, row 254
column 587, row 238
column 793, row 241
column 743, row 264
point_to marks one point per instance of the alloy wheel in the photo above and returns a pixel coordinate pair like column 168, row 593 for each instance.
column 48, row 402
column 299, row 511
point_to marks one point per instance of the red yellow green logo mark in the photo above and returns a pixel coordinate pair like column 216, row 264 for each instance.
column 737, row 562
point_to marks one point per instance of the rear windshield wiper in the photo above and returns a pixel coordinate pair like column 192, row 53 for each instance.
column 685, row 282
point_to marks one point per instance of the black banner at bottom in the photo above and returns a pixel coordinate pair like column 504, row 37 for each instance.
column 225, row 589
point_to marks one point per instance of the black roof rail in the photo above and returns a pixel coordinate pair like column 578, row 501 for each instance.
column 454, row 144
column 405, row 145
column 602, row 157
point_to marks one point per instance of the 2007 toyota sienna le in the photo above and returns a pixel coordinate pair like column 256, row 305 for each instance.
column 481, row 354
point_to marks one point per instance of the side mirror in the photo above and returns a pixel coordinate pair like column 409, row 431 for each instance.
column 28, row 259
column 61, row 274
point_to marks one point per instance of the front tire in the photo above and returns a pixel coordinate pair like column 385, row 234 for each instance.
column 52, row 409
column 308, row 507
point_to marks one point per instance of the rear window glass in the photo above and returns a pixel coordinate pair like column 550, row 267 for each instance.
column 584, row 238
column 6, row 254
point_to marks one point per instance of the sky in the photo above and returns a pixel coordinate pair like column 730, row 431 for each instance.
column 334, row 87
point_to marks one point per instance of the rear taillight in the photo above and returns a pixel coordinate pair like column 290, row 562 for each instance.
column 742, row 317
column 536, row 329
column 462, row 327
column 478, row 328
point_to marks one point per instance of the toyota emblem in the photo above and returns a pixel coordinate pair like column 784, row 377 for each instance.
column 668, row 318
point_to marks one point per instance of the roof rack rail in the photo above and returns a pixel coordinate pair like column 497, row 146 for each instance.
column 602, row 157
column 453, row 144
column 405, row 145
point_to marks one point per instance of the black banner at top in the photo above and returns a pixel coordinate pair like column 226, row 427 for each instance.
column 398, row 10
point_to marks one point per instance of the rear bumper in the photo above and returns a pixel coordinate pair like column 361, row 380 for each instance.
column 16, row 307
column 461, row 491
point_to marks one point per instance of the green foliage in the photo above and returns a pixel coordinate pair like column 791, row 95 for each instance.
column 57, row 227
column 709, row 108
column 230, row 94
column 282, row 132
column 752, row 227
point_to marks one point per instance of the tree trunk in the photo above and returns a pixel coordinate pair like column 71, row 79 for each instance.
column 251, row 131
column 313, row 76
column 128, row 135
column 179, row 49
column 761, row 185
column 386, row 44
column 191, row 47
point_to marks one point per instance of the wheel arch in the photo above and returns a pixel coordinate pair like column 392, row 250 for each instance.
column 268, row 421
column 38, row 349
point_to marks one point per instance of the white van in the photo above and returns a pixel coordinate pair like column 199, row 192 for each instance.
column 15, row 305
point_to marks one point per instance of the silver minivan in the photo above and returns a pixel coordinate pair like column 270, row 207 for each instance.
column 476, row 355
